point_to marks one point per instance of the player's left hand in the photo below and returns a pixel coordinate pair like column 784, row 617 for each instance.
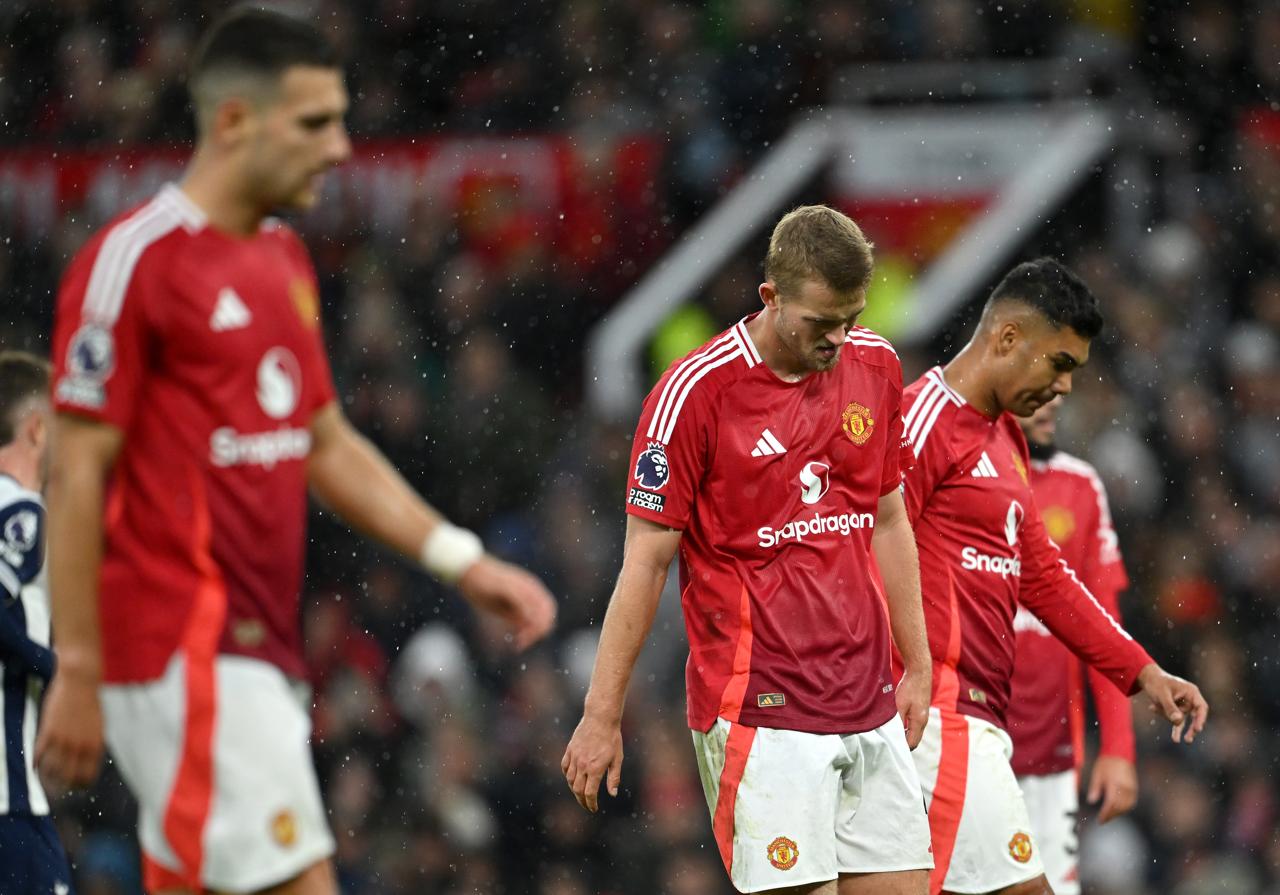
column 513, row 595
column 912, row 697
column 1179, row 700
column 1115, row 782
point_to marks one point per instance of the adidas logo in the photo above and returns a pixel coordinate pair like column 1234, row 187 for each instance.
column 985, row 468
column 229, row 312
column 768, row 445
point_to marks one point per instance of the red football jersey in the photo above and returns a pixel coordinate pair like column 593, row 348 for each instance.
column 204, row 348
column 1046, row 710
column 983, row 548
column 776, row 485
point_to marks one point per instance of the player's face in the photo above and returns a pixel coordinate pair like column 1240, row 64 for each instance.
column 300, row 136
column 1042, row 425
column 812, row 324
column 1040, row 364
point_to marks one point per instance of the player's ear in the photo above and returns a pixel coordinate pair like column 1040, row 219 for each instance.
column 1008, row 333
column 769, row 295
column 233, row 118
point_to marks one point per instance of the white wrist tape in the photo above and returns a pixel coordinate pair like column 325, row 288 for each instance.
column 449, row 551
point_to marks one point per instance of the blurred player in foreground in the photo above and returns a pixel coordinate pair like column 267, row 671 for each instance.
column 770, row 458
column 31, row 857
column 1046, row 705
column 195, row 408
column 983, row 550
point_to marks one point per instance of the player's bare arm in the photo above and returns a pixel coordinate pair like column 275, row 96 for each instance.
column 69, row 748
column 1114, row 779
column 353, row 479
column 895, row 548
column 595, row 750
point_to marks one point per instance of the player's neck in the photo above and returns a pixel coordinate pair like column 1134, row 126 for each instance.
column 217, row 193
column 18, row 464
column 776, row 356
column 969, row 377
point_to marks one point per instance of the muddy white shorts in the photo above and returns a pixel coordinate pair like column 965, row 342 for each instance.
column 791, row 808
column 218, row 757
column 982, row 835
column 1053, row 804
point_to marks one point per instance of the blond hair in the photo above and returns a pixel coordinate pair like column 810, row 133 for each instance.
column 818, row 242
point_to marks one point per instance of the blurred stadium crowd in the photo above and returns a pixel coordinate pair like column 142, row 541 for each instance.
column 438, row 749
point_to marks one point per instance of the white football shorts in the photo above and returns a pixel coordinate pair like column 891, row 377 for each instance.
column 218, row 756
column 982, row 835
column 1053, row 803
column 791, row 808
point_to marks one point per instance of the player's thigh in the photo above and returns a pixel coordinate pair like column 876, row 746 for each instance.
column 1053, row 803
column 824, row 888
column 905, row 882
column 258, row 818
column 982, row 835
column 1038, row 886
column 318, row 879
column 773, row 796
column 881, row 823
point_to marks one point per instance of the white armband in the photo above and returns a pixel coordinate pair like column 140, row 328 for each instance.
column 449, row 551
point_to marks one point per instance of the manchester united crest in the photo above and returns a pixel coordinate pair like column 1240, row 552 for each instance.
column 1060, row 522
column 783, row 853
column 284, row 828
column 857, row 423
column 1019, row 465
column 305, row 302
column 1020, row 848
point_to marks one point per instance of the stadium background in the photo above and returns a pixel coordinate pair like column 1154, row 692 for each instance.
column 457, row 320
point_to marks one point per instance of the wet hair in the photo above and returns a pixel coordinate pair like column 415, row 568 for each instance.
column 814, row 241
column 23, row 376
column 250, row 44
column 1055, row 291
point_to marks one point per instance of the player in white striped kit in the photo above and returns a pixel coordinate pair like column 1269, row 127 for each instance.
column 31, row 857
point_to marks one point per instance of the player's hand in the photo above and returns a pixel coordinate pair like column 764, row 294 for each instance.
column 594, row 751
column 1115, row 782
column 912, row 697
column 511, row 594
column 69, row 747
column 1177, row 699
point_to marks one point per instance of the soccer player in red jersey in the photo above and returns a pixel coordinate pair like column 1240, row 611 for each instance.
column 983, row 550
column 195, row 409
column 1046, row 705
column 770, row 460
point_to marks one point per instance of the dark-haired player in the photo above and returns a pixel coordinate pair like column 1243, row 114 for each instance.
column 195, row 409
column 31, row 857
column 983, row 550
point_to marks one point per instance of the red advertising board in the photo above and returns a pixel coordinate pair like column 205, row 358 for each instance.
column 566, row 191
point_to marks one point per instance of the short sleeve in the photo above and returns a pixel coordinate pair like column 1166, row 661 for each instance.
column 670, row 453
column 898, row 456
column 1107, row 572
column 21, row 545
column 304, row 292
column 102, row 335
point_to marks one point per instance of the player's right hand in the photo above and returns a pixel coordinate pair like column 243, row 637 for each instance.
column 69, row 747
column 594, row 750
column 1179, row 700
column 912, row 697
column 513, row 595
